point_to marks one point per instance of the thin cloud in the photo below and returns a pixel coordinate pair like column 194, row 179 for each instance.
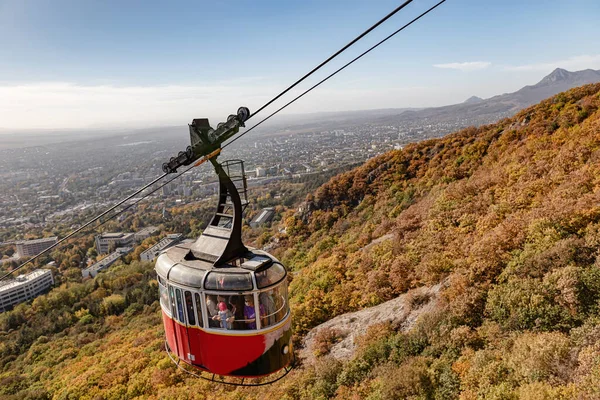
column 69, row 105
column 575, row 63
column 465, row 66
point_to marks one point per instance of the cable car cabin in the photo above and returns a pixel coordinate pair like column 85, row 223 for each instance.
column 225, row 308
column 232, row 320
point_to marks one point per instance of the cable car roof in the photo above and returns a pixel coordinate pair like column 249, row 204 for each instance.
column 173, row 265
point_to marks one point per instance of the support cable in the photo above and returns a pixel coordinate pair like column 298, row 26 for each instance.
column 83, row 226
column 143, row 197
column 287, row 104
column 336, row 71
column 337, row 53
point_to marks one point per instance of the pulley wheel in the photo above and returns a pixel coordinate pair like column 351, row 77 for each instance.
column 243, row 113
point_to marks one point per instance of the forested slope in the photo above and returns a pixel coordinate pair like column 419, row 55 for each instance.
column 508, row 215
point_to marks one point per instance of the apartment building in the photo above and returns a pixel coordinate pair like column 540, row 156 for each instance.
column 107, row 241
column 166, row 242
column 24, row 287
column 29, row 248
column 106, row 262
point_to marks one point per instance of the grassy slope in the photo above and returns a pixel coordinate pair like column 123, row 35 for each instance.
column 509, row 213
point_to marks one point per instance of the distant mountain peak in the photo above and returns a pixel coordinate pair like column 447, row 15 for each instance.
column 562, row 76
column 557, row 75
column 473, row 99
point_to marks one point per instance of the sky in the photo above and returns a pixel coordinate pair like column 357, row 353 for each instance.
column 109, row 64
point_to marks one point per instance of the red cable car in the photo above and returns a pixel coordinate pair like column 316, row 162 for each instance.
column 225, row 307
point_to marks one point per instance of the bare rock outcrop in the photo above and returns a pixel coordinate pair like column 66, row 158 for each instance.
column 402, row 311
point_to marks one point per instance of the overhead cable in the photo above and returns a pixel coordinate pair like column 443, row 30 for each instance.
column 337, row 53
column 336, row 71
column 83, row 226
column 292, row 101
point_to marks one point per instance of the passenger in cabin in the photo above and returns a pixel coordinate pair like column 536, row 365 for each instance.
column 229, row 301
column 236, row 303
column 250, row 312
column 212, row 309
column 224, row 315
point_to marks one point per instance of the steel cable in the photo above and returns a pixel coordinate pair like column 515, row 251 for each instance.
column 337, row 71
column 337, row 53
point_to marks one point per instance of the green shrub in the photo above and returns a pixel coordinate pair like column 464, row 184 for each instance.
column 326, row 373
column 522, row 304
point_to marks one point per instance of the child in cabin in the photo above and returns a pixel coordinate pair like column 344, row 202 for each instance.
column 224, row 315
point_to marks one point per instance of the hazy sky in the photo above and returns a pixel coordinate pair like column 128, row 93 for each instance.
column 75, row 64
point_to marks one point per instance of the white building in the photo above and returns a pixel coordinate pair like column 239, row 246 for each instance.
column 30, row 248
column 105, row 262
column 166, row 242
column 24, row 287
column 117, row 239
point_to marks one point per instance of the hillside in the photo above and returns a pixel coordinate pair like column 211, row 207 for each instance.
column 509, row 213
column 506, row 215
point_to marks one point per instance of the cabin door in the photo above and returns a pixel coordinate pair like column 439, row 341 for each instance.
column 192, row 321
column 178, row 321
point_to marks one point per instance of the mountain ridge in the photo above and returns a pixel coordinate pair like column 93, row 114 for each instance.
column 503, row 105
column 562, row 75
column 474, row 111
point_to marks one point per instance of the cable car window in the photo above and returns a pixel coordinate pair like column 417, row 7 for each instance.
column 270, row 276
column 199, row 309
column 212, row 311
column 275, row 305
column 164, row 295
column 172, row 297
column 220, row 281
column 189, row 306
column 179, row 306
column 237, row 312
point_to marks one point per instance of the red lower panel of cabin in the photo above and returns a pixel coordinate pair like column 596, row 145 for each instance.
column 233, row 355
